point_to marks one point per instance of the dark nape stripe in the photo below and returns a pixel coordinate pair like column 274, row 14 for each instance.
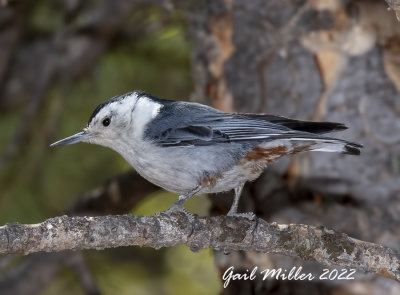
column 138, row 93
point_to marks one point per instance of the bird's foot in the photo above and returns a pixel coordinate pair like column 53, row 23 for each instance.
column 178, row 208
column 249, row 215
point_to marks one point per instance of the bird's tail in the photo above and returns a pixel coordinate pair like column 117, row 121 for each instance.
column 324, row 144
column 299, row 125
column 312, row 131
column 308, row 135
column 337, row 145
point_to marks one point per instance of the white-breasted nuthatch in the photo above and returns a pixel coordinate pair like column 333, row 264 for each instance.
column 189, row 148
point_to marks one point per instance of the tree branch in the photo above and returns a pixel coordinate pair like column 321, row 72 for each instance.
column 117, row 196
column 220, row 233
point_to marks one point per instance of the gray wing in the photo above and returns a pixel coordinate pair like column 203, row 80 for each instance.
column 190, row 124
column 206, row 126
column 218, row 129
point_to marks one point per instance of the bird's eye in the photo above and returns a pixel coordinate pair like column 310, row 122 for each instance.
column 106, row 122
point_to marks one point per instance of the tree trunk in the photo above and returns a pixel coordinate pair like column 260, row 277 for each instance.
column 311, row 60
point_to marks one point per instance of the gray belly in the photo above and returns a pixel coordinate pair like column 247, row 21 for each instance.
column 181, row 169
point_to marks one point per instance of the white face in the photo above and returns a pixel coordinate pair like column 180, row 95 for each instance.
column 109, row 123
column 118, row 119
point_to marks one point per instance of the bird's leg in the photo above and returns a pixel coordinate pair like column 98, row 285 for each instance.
column 178, row 205
column 235, row 204
column 233, row 210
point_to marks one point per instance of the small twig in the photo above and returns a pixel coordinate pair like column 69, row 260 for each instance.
column 219, row 233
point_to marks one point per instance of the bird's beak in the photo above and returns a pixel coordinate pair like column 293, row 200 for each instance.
column 78, row 137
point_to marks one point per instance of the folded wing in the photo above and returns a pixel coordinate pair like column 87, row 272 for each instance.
column 217, row 128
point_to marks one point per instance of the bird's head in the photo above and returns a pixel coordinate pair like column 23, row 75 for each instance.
column 111, row 121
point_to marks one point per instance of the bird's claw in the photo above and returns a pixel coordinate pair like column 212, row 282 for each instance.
column 175, row 208
column 249, row 215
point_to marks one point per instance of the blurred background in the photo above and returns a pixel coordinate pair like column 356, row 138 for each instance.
column 334, row 60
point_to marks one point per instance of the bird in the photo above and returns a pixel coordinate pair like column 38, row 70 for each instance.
column 189, row 148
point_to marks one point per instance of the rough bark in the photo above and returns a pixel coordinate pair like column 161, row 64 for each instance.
column 220, row 233
column 318, row 60
column 321, row 60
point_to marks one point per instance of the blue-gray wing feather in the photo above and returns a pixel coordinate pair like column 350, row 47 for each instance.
column 188, row 124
